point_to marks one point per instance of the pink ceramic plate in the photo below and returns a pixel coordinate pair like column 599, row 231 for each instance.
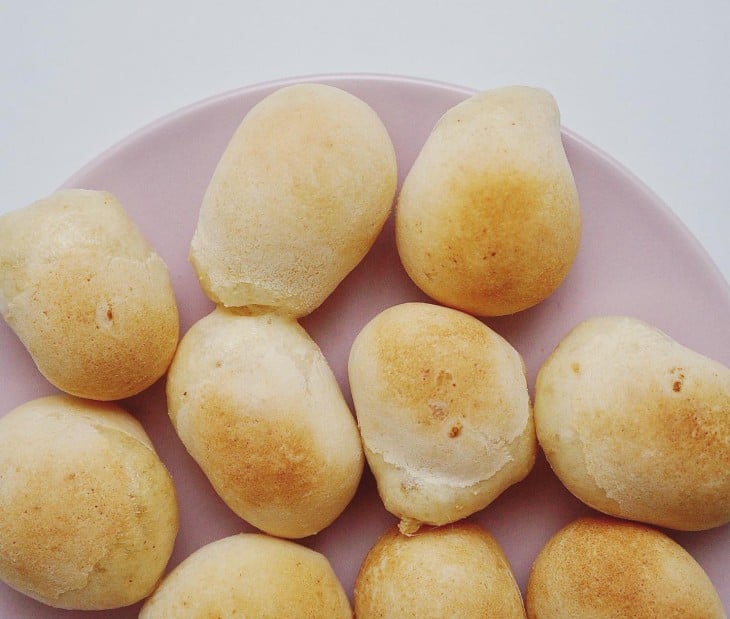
column 636, row 258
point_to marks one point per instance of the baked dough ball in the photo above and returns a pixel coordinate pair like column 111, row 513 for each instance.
column 250, row 575
column 636, row 425
column 443, row 410
column 488, row 219
column 256, row 405
column 600, row 568
column 452, row 571
column 88, row 514
column 297, row 200
column 87, row 295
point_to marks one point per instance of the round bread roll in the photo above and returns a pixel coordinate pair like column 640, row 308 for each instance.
column 600, row 568
column 444, row 412
column 87, row 296
column 297, row 200
column 250, row 575
column 452, row 571
column 88, row 514
column 636, row 425
column 256, row 405
column 488, row 219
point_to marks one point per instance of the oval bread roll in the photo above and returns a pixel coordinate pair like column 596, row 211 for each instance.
column 636, row 425
column 250, row 575
column 453, row 571
column 256, row 405
column 488, row 219
column 600, row 568
column 297, row 200
column 88, row 514
column 86, row 294
column 444, row 412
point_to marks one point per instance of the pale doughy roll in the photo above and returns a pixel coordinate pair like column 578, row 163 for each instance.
column 488, row 219
column 250, row 575
column 636, row 425
column 298, row 198
column 443, row 410
column 453, row 571
column 88, row 514
column 256, row 405
column 87, row 295
column 600, row 568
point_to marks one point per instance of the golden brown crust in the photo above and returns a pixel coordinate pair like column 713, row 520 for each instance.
column 86, row 295
column 452, row 571
column 443, row 410
column 488, row 219
column 250, row 575
column 88, row 514
column 598, row 568
column 636, row 425
column 256, row 405
column 296, row 201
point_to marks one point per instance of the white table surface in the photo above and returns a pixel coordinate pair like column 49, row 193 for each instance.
column 648, row 82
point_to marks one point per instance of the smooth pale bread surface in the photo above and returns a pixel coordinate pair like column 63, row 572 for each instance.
column 600, row 568
column 296, row 201
column 488, row 220
column 86, row 294
column 88, row 513
column 443, row 410
column 256, row 405
column 250, row 576
column 452, row 571
column 636, row 425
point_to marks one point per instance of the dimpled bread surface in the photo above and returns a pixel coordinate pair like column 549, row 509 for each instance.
column 250, row 576
column 456, row 570
column 296, row 201
column 601, row 568
column 443, row 410
column 88, row 513
column 636, row 425
column 256, row 405
column 488, row 220
column 87, row 295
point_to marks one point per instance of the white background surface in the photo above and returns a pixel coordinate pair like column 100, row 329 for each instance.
column 648, row 82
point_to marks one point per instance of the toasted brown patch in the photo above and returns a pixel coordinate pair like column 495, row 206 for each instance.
column 450, row 571
column 263, row 459
column 609, row 568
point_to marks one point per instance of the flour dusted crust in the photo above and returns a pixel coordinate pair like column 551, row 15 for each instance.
column 636, row 425
column 296, row 201
column 87, row 295
column 444, row 412
column 601, row 568
column 456, row 570
column 250, row 575
column 88, row 514
column 488, row 220
column 255, row 403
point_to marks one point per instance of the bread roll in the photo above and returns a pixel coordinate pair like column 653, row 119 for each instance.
column 444, row 412
column 250, row 575
column 88, row 514
column 636, row 425
column 256, row 405
column 488, row 219
column 452, row 571
column 298, row 198
column 600, row 568
column 87, row 296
